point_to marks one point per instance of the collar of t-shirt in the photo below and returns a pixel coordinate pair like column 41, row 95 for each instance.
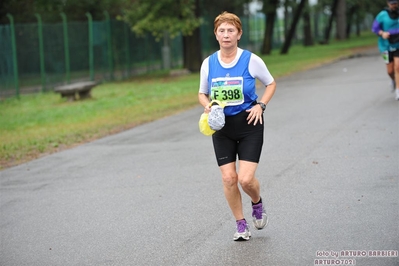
column 232, row 63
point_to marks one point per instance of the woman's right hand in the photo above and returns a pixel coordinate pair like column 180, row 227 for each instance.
column 207, row 109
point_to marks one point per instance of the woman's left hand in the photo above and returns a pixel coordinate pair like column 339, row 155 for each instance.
column 255, row 115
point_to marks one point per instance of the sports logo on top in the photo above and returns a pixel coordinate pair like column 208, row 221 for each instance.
column 228, row 90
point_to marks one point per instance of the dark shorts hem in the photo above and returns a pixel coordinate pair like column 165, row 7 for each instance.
column 237, row 138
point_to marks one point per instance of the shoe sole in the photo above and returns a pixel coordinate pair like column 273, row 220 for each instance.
column 242, row 238
column 260, row 227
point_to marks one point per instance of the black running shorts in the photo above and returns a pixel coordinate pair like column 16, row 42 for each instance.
column 391, row 55
column 238, row 138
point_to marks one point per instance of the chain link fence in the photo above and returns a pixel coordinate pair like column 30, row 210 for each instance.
column 38, row 56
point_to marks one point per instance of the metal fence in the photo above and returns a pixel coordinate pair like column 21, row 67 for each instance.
column 39, row 56
column 36, row 57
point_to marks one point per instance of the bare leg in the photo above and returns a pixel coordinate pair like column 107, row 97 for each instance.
column 396, row 70
column 395, row 67
column 248, row 181
column 231, row 190
column 390, row 70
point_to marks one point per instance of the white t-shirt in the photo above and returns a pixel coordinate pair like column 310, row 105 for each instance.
column 257, row 69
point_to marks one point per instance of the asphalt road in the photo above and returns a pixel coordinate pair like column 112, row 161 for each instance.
column 153, row 195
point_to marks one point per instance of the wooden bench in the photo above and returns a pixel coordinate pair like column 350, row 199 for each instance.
column 82, row 88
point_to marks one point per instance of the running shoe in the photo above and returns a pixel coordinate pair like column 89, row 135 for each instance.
column 242, row 233
column 397, row 94
column 259, row 216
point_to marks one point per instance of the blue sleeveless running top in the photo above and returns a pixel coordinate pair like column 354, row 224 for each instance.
column 233, row 85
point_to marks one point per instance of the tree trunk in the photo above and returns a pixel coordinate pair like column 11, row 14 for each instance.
column 268, row 40
column 270, row 10
column 329, row 26
column 341, row 20
column 316, row 25
column 307, row 28
column 291, row 32
column 286, row 16
column 192, row 57
column 350, row 20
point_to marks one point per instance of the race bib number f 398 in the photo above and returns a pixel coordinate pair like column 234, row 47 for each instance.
column 228, row 90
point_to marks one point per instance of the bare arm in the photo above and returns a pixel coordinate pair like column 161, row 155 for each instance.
column 255, row 113
column 269, row 92
column 204, row 101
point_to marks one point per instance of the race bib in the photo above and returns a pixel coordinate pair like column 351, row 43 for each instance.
column 385, row 56
column 228, row 90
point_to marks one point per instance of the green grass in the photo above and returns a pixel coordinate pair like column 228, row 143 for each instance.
column 39, row 124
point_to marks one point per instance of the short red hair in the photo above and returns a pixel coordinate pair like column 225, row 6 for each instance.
column 228, row 18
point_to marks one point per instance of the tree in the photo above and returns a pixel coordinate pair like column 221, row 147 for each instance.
column 330, row 22
column 175, row 17
column 289, row 7
column 307, row 29
column 24, row 11
column 357, row 10
column 156, row 17
column 192, row 57
column 341, row 20
column 270, row 10
column 168, row 17
column 291, row 32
